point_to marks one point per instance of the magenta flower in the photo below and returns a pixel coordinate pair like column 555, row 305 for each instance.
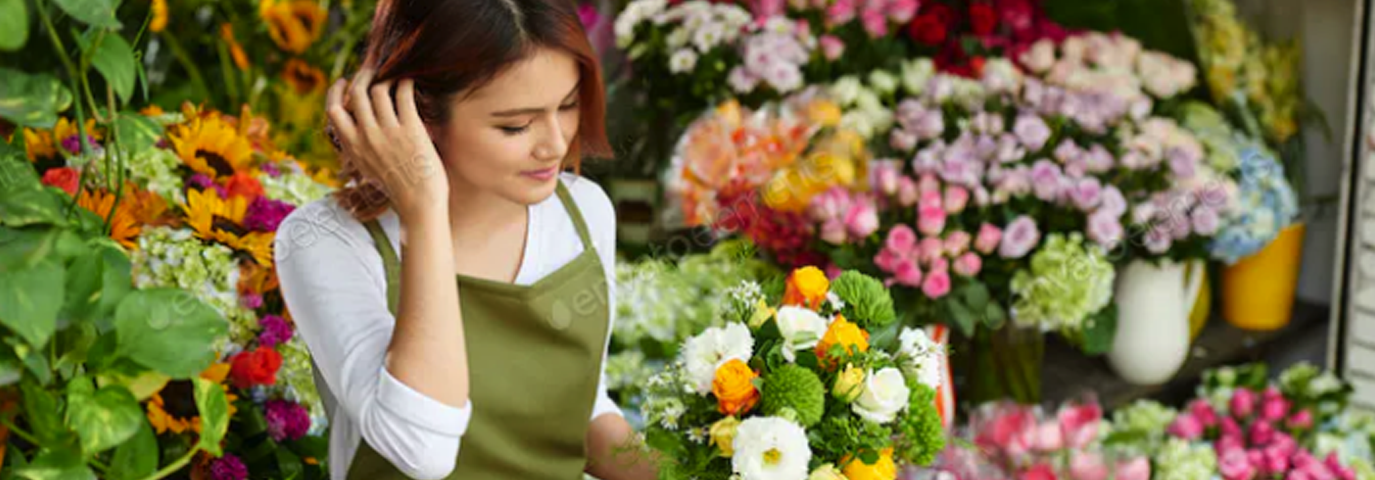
column 1273, row 405
column 1186, row 426
column 1019, row 238
column 228, row 467
column 1233, row 465
column 832, row 47
column 1341, row 471
column 589, row 16
column 1229, row 427
column 265, row 215
column 1204, row 412
column 901, row 239
column 1243, row 403
column 286, row 420
column 930, row 215
column 841, row 12
column 251, row 301
column 1301, row 420
column 276, row 331
column 271, row 169
column 1080, row 423
column 1262, row 433
column 907, row 273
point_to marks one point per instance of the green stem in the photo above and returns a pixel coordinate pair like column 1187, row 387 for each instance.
column 227, row 67
column 57, row 42
column 186, row 62
column 174, row 466
column 28, row 437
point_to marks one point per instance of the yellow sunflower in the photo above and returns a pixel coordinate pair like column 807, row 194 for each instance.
column 38, row 144
column 302, row 77
column 221, row 220
column 159, row 22
column 67, row 129
column 235, row 50
column 174, row 407
column 293, row 24
column 124, row 228
column 210, row 146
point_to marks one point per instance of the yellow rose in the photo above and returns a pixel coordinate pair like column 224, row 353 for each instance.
column 807, row 287
column 723, row 435
column 844, row 333
column 786, row 191
column 826, row 472
column 883, row 469
column 824, row 113
column 734, row 388
column 849, row 384
column 762, row 313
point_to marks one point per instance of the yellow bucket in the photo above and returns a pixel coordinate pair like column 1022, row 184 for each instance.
column 1258, row 292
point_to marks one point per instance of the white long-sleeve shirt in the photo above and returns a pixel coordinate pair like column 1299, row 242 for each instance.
column 334, row 284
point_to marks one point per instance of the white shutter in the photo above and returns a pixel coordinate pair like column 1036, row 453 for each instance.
column 1353, row 307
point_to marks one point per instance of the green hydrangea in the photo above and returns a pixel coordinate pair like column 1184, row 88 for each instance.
column 174, row 257
column 1215, row 133
column 796, row 388
column 867, row 302
column 296, row 378
column 921, row 434
column 1066, row 282
column 155, row 169
column 293, row 186
column 1180, row 460
column 1140, row 427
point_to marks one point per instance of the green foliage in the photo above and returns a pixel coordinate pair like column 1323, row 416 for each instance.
column 922, row 435
column 867, row 301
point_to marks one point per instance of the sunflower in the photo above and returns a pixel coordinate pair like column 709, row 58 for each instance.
column 293, row 25
column 221, row 220
column 235, row 50
column 208, row 145
column 302, row 77
column 151, row 111
column 124, row 228
column 146, row 207
column 38, row 144
column 159, row 22
column 67, row 129
column 174, row 407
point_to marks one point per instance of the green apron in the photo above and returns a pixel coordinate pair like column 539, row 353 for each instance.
column 534, row 363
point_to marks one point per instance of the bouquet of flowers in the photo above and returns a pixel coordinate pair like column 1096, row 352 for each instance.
column 799, row 387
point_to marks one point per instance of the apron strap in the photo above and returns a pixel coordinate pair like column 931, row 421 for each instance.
column 389, row 263
column 572, row 208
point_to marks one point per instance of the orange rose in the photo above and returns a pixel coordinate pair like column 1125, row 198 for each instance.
column 883, row 469
column 242, row 184
column 807, row 287
column 734, row 388
column 844, row 333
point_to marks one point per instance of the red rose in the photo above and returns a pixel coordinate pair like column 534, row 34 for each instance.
column 1039, row 472
column 242, row 184
column 927, row 29
column 65, row 178
column 941, row 11
column 982, row 18
column 256, row 367
column 976, row 67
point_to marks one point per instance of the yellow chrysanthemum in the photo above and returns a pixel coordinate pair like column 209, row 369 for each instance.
column 293, row 25
column 235, row 50
column 123, row 226
column 221, row 220
column 210, row 146
column 159, row 22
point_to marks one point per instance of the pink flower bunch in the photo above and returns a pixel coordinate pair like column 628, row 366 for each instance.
column 844, row 216
column 774, row 54
column 878, row 17
column 1030, row 445
column 1256, row 437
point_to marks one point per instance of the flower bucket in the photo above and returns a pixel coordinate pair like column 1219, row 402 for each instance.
column 1258, row 291
column 1005, row 364
column 1153, row 304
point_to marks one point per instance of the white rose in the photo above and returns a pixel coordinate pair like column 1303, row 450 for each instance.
column 846, row 90
column 706, row 352
column 1040, row 57
column 678, row 38
column 1001, row 75
column 885, row 394
column 801, row 329
column 921, row 357
column 883, row 82
column 916, row 74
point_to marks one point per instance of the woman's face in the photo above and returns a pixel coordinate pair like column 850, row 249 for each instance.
column 510, row 137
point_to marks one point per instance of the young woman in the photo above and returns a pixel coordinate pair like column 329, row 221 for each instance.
column 455, row 137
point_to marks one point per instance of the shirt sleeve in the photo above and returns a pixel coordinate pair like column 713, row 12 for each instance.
column 337, row 298
column 600, row 215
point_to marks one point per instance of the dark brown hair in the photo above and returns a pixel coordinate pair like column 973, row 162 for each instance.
column 453, row 47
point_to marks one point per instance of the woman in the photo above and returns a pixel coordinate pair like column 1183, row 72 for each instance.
column 454, row 137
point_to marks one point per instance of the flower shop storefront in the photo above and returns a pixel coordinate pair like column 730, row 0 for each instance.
column 860, row 239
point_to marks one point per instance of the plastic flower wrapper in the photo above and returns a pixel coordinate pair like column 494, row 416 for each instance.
column 796, row 391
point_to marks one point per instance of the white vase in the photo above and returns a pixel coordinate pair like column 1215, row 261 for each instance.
column 1153, row 305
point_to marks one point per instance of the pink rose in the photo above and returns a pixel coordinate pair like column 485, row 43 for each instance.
column 1341, row 471
column 927, row 184
column 1275, row 461
column 1204, row 412
column 1234, row 465
column 908, row 274
column 862, row 219
column 888, row 260
column 1243, row 403
column 1135, row 469
column 902, row 11
column 1186, row 426
column 1004, row 430
column 968, row 265
column 987, row 239
column 1049, row 438
column 1262, row 433
column 875, row 22
column 956, row 243
column 930, row 219
column 764, row 9
column 955, row 199
column 901, row 239
column 1301, row 420
column 1021, row 236
column 1285, row 444
column 907, row 192
column 883, row 176
column 1087, row 466
column 1038, row 472
column 1080, row 424
column 830, row 204
column 937, row 283
column 1228, row 442
column 1230, row 428
column 833, row 232
column 930, row 250
column 1273, row 405
column 840, row 12
column 832, row 47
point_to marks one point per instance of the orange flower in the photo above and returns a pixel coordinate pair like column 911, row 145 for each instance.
column 807, row 287
column 65, row 178
column 243, row 184
column 293, row 25
column 734, row 388
column 123, row 228
column 39, row 145
column 845, row 334
column 159, row 22
column 302, row 77
column 151, row 111
column 235, row 50
column 883, row 469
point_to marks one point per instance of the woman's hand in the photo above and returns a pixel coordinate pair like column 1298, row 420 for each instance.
column 389, row 144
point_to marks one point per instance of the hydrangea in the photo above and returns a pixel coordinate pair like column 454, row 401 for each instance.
column 1267, row 205
column 172, row 257
column 293, row 186
column 1066, row 282
column 296, row 381
column 155, row 169
column 1179, row 460
column 1144, row 421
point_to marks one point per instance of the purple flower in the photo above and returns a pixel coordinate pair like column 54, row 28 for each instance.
column 1019, row 238
column 1158, row 239
column 1182, row 163
column 1067, row 151
column 589, row 16
column 929, row 125
column 286, row 420
column 1205, row 220
column 265, row 215
column 1105, row 229
column 251, row 301
column 1045, row 179
column 228, row 467
column 928, row 160
column 1112, row 201
column 1087, row 194
column 1031, row 131
column 902, row 140
column 276, row 331
column 201, row 180
column 271, row 170
column 1179, row 225
column 1098, row 159
column 1009, row 150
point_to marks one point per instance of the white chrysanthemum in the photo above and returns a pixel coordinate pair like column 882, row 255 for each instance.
column 770, row 448
column 921, row 357
column 883, row 82
column 916, row 74
column 682, row 61
column 801, row 329
column 846, row 90
column 885, row 394
column 704, row 353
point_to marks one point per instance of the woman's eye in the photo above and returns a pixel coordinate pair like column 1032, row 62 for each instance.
column 514, row 130
column 569, row 106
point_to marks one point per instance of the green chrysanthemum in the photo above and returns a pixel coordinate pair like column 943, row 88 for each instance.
column 1068, row 281
column 796, row 388
column 867, row 302
column 922, row 436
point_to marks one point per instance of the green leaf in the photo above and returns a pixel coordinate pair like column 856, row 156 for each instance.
column 14, row 24
column 142, row 386
column 34, row 360
column 994, row 316
column 30, row 206
column 961, row 316
column 114, row 58
column 41, row 411
column 137, row 132
column 136, row 458
column 103, row 418
column 32, row 100
column 11, row 370
column 155, row 326
column 99, row 13
column 83, row 285
column 57, row 465
column 25, row 247
column 214, row 409
column 976, row 295
column 29, row 300
column 1101, row 329
column 16, row 174
column 289, row 465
